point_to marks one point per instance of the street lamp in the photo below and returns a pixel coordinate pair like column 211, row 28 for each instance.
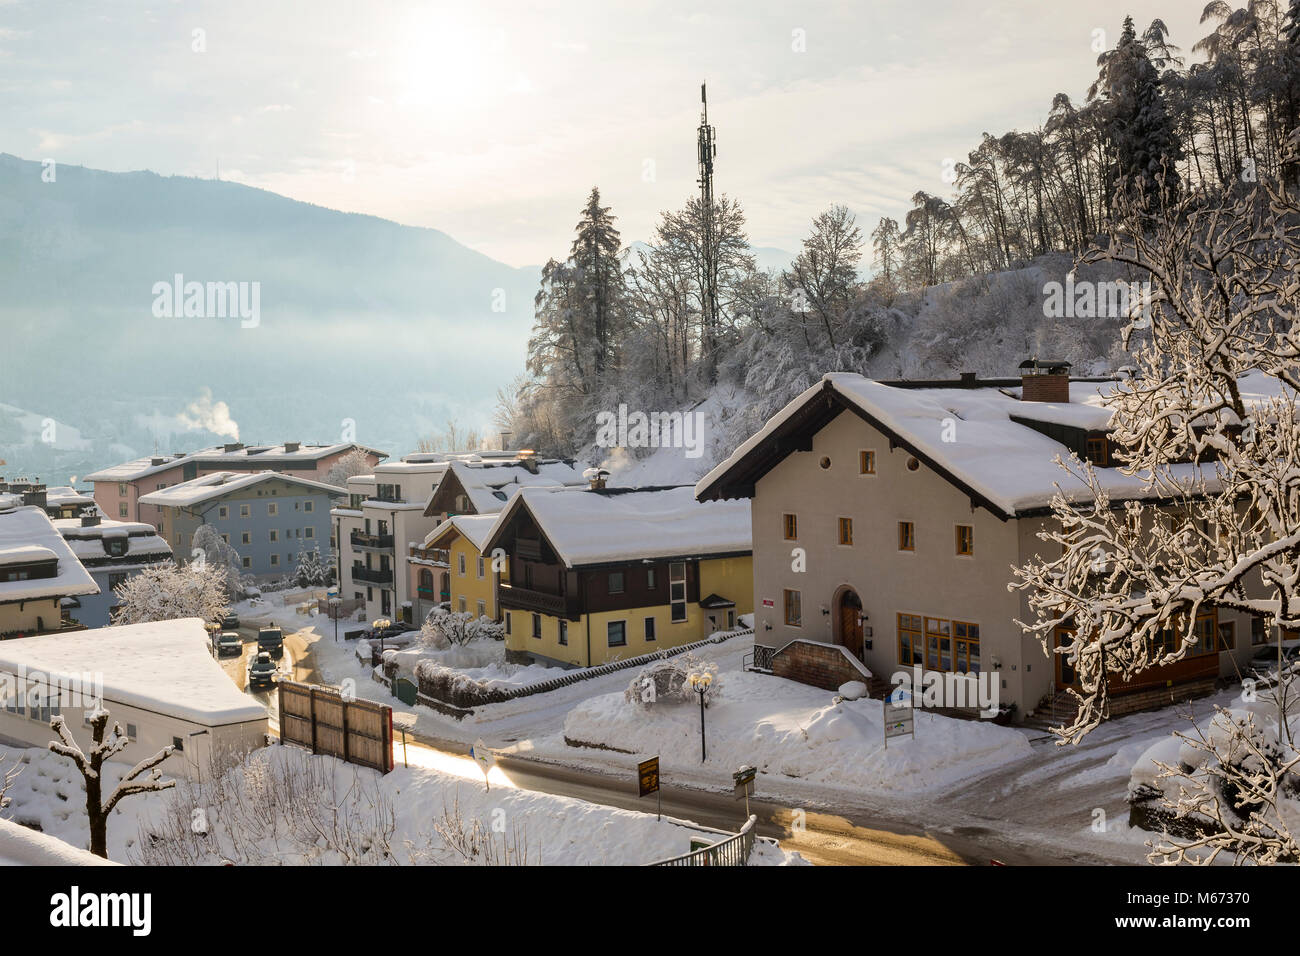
column 700, row 682
column 381, row 625
column 335, row 603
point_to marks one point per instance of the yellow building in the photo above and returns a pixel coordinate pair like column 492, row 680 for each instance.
column 605, row 574
column 451, row 568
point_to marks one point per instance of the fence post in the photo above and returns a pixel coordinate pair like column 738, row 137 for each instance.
column 311, row 697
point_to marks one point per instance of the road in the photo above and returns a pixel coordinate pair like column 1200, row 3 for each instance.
column 856, row 836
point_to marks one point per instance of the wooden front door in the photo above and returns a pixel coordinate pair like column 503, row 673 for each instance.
column 851, row 623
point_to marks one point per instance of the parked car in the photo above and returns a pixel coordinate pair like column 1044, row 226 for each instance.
column 230, row 622
column 271, row 641
column 229, row 644
column 261, row 672
column 1264, row 663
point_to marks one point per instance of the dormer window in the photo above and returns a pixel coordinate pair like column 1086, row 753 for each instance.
column 1097, row 452
column 116, row 547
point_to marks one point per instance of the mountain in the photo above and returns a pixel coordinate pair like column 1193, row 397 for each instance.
column 394, row 328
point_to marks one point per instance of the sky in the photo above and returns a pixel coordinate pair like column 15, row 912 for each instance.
column 493, row 120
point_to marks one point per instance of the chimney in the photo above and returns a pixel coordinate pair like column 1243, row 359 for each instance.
column 291, row 446
column 232, row 447
column 1045, row 381
column 89, row 520
column 595, row 478
column 969, row 380
column 155, row 462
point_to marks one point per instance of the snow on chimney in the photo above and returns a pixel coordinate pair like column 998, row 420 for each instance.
column 595, row 478
column 1042, row 380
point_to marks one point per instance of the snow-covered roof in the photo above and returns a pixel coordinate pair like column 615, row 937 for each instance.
column 221, row 483
column 489, row 485
column 66, row 495
column 142, row 539
column 218, row 455
column 474, row 528
column 599, row 527
column 163, row 666
column 1008, row 466
column 28, row 535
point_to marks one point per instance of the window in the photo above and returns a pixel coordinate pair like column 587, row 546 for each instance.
column 616, row 633
column 246, row 537
column 223, row 512
column 649, row 629
column 965, row 539
column 909, row 640
column 246, row 562
column 1258, row 632
column 846, row 531
column 179, row 744
column 226, row 538
column 275, row 535
column 460, row 564
column 307, row 505
column 793, row 609
column 121, row 489
column 131, row 732
column 481, row 569
column 115, row 581
column 507, row 622
column 460, row 604
column 481, row 608
column 1228, row 635
column 1095, row 449
column 564, row 632
column 938, row 644
column 243, row 511
column 616, row 582
column 906, row 536
column 966, row 644
column 791, row 523
column 309, row 532
column 650, row 579
column 297, row 533
column 275, row 560
column 121, row 509
column 537, row 626
column 677, row 590
column 867, row 462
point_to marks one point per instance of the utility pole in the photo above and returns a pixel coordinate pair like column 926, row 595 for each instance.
column 707, row 149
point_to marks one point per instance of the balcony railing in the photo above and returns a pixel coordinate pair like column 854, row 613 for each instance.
column 434, row 555
column 372, row 575
column 374, row 542
column 526, row 599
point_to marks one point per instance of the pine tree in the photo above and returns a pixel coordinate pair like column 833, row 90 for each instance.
column 598, row 274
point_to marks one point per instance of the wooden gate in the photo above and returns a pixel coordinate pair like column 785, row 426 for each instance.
column 320, row 719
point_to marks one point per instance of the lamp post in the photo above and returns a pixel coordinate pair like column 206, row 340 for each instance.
column 700, row 682
column 381, row 625
column 335, row 603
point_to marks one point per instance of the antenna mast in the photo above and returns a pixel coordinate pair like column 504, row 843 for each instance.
column 708, row 149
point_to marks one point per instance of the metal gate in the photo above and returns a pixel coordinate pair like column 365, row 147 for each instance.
column 323, row 721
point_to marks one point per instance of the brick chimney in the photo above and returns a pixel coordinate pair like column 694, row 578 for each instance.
column 1045, row 381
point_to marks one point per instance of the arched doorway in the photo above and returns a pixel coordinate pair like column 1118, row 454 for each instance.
column 849, row 613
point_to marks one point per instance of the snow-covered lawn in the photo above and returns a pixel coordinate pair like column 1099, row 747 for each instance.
column 791, row 730
column 550, row 829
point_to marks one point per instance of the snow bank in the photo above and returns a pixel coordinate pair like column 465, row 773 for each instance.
column 795, row 731
column 20, row 846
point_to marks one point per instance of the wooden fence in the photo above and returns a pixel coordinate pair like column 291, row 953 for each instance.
column 322, row 720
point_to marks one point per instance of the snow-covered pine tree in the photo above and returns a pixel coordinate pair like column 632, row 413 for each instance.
column 210, row 548
column 310, row 571
column 144, row 777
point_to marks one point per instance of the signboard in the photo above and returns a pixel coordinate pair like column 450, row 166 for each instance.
column 647, row 772
column 482, row 756
column 900, row 719
column 768, row 602
column 744, row 778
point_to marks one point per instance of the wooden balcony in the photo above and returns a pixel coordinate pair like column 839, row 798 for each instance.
column 525, row 599
column 372, row 542
column 438, row 556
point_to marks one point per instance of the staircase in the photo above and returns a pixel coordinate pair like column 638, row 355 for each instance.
column 1056, row 708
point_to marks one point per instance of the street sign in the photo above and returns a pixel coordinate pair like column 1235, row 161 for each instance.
column 900, row 718
column 647, row 772
column 744, row 778
column 483, row 757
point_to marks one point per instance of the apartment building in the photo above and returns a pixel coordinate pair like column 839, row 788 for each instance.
column 267, row 517
column 39, row 573
column 118, row 490
column 112, row 552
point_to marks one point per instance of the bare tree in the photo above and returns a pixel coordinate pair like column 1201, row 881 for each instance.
column 144, row 777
